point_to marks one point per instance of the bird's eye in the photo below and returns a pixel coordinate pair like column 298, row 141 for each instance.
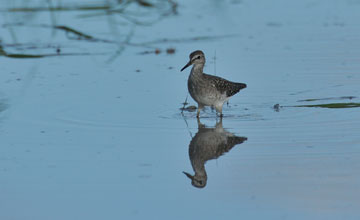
column 198, row 57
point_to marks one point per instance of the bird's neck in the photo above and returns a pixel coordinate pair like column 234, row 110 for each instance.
column 198, row 166
column 197, row 69
column 199, row 170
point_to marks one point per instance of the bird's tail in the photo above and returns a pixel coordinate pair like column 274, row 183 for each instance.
column 235, row 88
column 241, row 85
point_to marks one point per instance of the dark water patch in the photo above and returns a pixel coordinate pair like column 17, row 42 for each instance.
column 274, row 24
column 330, row 98
column 3, row 105
column 301, row 92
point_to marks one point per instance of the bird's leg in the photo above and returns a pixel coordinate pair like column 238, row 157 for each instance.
column 219, row 125
column 198, row 110
column 219, row 110
column 200, row 125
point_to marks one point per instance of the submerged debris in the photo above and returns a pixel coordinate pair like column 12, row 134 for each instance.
column 158, row 51
column 190, row 108
column 277, row 107
column 170, row 50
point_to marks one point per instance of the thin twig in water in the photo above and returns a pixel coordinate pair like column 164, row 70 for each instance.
column 122, row 44
column 185, row 103
column 52, row 17
column 215, row 63
column 187, row 125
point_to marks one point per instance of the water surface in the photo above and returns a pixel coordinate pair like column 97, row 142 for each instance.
column 91, row 126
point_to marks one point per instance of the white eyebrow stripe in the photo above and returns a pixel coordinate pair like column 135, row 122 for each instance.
column 198, row 56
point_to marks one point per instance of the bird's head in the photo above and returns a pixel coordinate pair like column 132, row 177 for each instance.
column 198, row 181
column 196, row 58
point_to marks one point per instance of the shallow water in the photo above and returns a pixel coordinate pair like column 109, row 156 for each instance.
column 94, row 130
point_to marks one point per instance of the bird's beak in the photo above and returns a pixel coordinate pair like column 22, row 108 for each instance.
column 188, row 64
column 189, row 176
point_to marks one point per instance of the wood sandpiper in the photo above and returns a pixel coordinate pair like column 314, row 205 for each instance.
column 208, row 90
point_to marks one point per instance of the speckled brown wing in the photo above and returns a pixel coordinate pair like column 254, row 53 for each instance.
column 223, row 85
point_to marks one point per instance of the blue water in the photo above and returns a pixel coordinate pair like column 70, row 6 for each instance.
column 97, row 133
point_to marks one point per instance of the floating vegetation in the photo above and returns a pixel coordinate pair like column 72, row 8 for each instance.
column 73, row 31
column 331, row 98
column 121, row 13
column 277, row 107
column 87, row 7
column 59, row 8
column 15, row 55
column 26, row 56
column 333, row 105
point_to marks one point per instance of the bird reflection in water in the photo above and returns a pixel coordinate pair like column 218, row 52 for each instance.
column 208, row 144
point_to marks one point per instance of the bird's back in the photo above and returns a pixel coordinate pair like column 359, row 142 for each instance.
column 223, row 85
